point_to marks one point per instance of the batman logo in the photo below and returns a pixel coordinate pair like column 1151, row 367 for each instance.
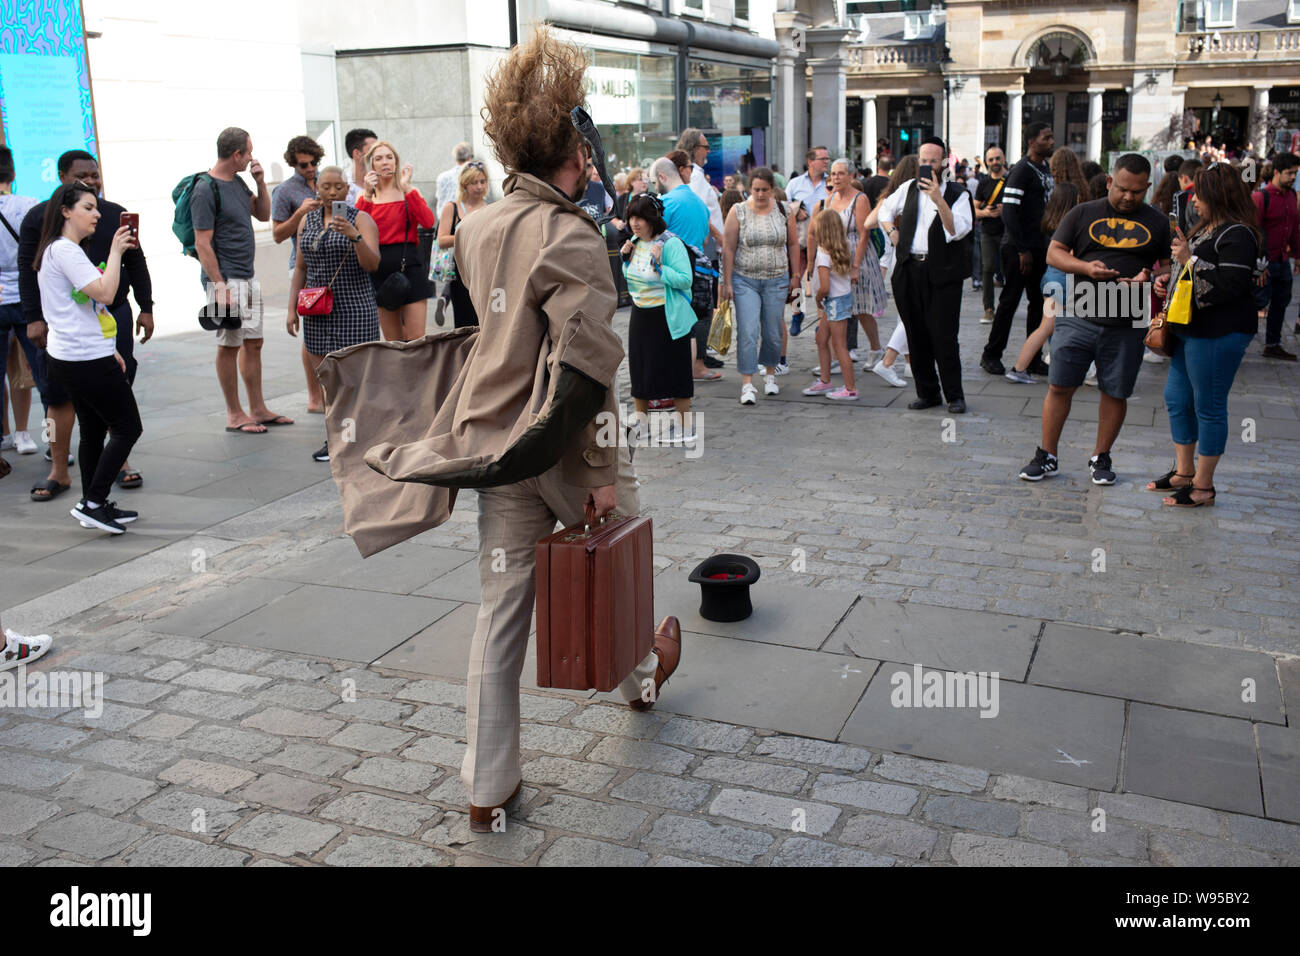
column 1115, row 233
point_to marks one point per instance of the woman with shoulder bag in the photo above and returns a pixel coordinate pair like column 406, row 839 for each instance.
column 331, row 288
column 401, row 282
column 659, row 274
column 1224, row 255
column 760, row 254
column 471, row 187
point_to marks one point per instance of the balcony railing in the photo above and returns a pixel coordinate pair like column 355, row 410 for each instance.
column 1243, row 45
column 905, row 56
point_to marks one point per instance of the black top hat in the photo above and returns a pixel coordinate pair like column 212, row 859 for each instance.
column 215, row 315
column 724, row 581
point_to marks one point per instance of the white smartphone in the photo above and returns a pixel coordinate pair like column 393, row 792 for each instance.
column 339, row 209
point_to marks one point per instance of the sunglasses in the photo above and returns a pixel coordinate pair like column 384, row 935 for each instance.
column 475, row 164
column 308, row 165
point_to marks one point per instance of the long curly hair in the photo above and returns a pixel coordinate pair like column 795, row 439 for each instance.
column 828, row 228
column 527, row 102
column 1066, row 167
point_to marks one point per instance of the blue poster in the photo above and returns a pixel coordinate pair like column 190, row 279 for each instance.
column 45, row 100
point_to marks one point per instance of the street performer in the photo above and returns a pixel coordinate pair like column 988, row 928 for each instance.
column 518, row 422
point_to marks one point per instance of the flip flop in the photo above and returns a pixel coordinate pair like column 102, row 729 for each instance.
column 244, row 428
column 51, row 488
column 711, row 377
column 277, row 420
column 129, row 479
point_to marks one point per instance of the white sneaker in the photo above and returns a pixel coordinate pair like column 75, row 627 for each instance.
column 1151, row 358
column 853, row 354
column 889, row 375
column 906, row 370
column 835, row 368
column 24, row 444
column 782, row 368
column 748, row 394
column 7, row 441
column 22, row 650
column 770, row 386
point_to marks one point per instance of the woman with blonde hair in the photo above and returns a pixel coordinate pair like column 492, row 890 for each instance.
column 399, row 211
column 471, row 193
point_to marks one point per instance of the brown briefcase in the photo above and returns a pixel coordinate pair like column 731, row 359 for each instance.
column 595, row 603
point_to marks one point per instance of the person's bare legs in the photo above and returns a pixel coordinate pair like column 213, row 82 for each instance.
column 63, row 417
column 887, row 360
column 1184, row 464
column 824, row 351
column 1110, row 419
column 415, row 320
column 840, row 346
column 228, row 377
column 1056, row 409
column 698, row 368
column 390, row 326
column 872, row 328
column 1204, row 480
column 1037, row 339
column 315, row 395
column 250, row 370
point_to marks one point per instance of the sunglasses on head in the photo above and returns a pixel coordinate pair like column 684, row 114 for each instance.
column 475, row 164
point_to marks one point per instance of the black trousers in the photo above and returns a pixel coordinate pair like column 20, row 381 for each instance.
column 930, row 314
column 104, row 403
column 125, row 340
column 1016, row 285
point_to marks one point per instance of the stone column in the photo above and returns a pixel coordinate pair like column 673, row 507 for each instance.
column 828, row 57
column 869, row 131
column 789, row 93
column 983, row 108
column 1060, row 124
column 1257, row 129
column 1094, row 122
column 940, row 116
column 1014, row 108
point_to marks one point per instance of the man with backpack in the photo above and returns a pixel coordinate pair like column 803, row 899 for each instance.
column 1279, row 221
column 219, row 207
column 77, row 165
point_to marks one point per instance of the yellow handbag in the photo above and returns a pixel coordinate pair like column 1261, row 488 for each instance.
column 1179, row 309
column 721, row 329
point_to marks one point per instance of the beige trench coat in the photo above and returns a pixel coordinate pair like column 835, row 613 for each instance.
column 410, row 422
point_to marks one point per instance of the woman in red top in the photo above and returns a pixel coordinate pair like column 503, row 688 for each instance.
column 399, row 210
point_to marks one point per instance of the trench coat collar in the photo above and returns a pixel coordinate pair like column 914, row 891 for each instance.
column 540, row 189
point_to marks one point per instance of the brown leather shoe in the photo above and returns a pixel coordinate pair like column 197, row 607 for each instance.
column 480, row 818
column 668, row 648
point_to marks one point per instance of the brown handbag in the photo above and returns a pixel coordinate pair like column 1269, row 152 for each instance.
column 1158, row 337
column 595, row 602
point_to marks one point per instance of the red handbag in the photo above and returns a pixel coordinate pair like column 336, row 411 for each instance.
column 320, row 299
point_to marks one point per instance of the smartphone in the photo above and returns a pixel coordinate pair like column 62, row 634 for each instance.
column 132, row 219
column 926, row 173
column 339, row 209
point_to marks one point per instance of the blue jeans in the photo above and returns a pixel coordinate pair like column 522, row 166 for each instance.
column 1196, row 392
column 13, row 320
column 1275, row 295
column 759, row 305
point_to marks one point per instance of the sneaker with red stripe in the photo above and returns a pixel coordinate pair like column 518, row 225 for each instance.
column 23, row 650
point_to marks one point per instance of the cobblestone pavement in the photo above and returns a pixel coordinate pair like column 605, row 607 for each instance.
column 217, row 748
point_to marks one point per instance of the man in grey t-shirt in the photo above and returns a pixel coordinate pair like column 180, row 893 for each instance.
column 224, row 244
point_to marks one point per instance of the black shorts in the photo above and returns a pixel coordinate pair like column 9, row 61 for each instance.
column 417, row 273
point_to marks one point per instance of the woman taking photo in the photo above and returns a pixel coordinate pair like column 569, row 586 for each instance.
column 471, row 190
column 659, row 274
column 340, row 254
column 80, row 349
column 760, row 253
column 1224, row 251
column 399, row 211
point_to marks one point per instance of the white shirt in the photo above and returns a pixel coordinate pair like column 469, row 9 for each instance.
column 447, row 185
column 355, row 190
column 701, row 187
column 14, row 209
column 840, row 284
column 78, row 331
column 802, row 190
column 962, row 216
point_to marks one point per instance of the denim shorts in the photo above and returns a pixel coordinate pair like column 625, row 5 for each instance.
column 1054, row 284
column 1116, row 350
column 839, row 308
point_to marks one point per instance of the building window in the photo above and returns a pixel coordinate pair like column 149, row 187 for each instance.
column 918, row 26
column 1220, row 13
column 693, row 6
column 1293, row 11
column 740, row 11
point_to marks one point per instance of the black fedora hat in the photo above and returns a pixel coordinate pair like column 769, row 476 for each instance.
column 724, row 581
column 215, row 315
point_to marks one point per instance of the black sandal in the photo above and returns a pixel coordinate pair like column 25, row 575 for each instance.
column 1164, row 484
column 51, row 488
column 1182, row 498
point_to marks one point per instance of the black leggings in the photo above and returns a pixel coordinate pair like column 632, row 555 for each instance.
column 104, row 403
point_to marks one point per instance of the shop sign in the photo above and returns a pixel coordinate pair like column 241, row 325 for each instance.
column 612, row 95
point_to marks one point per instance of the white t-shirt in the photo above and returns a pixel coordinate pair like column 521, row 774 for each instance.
column 78, row 331
column 14, row 208
column 840, row 284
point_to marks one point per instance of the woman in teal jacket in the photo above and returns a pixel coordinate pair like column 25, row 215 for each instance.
column 659, row 273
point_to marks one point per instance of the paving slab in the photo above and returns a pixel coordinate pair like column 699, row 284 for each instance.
column 765, row 685
column 1279, row 762
column 226, row 605
column 1038, row 731
column 790, row 616
column 1194, row 758
column 1159, row 671
column 399, row 570
column 19, row 584
column 459, row 584
column 338, row 623
column 949, row 638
